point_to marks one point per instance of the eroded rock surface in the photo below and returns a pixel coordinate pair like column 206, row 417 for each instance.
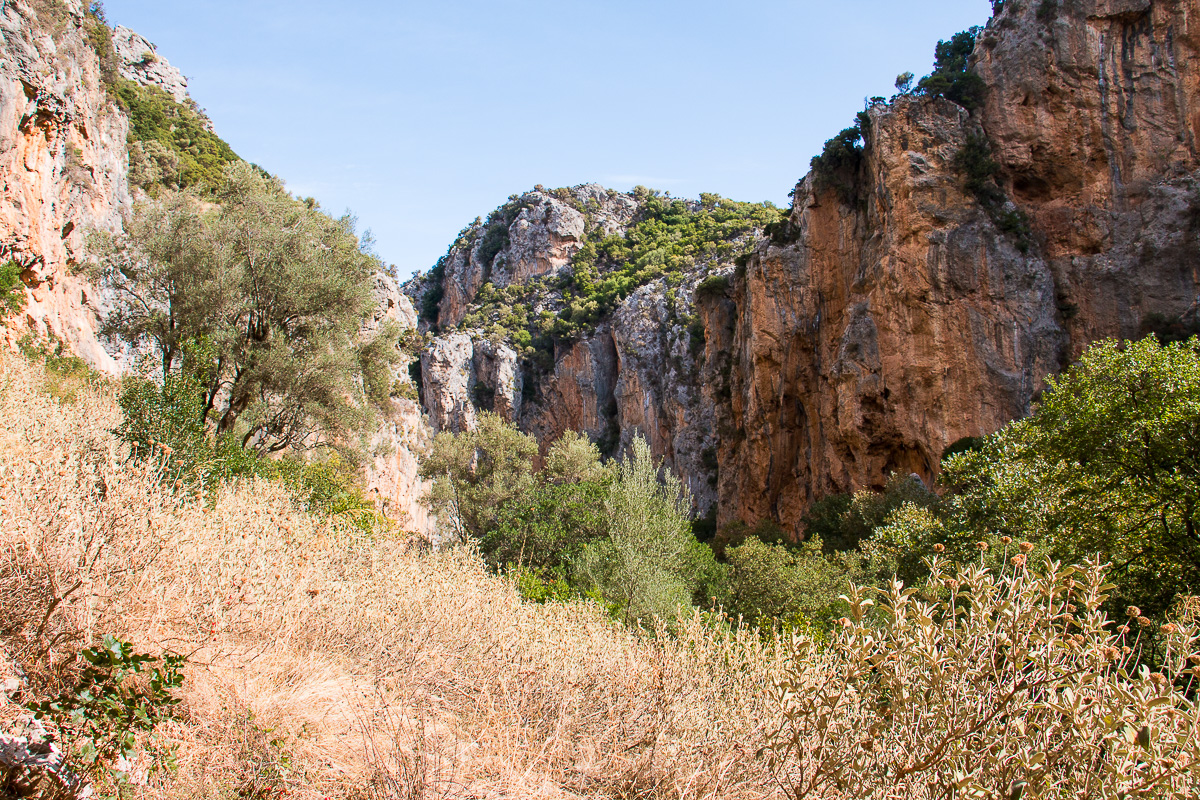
column 63, row 162
column 141, row 62
column 875, row 330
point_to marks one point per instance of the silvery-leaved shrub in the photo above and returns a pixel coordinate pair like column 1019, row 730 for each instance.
column 984, row 684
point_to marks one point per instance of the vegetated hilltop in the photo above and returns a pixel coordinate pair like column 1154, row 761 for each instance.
column 959, row 243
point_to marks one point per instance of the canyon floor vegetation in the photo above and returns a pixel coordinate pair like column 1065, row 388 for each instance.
column 179, row 640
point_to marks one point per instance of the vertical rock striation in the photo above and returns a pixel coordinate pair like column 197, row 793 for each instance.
column 880, row 325
column 63, row 163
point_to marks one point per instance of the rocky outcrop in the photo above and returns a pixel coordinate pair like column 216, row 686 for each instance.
column 139, row 61
column 63, row 162
column 883, row 323
column 532, row 236
column 893, row 327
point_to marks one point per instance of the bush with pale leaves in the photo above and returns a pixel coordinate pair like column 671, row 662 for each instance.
column 986, row 685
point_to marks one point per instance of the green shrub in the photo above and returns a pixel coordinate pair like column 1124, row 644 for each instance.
column 12, row 289
column 1047, row 11
column 174, row 136
column 431, row 300
column 844, row 521
column 165, row 422
column 794, row 587
column 951, row 77
column 837, row 167
column 714, row 286
column 118, row 695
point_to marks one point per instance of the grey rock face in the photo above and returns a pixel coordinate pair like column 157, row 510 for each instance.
column 140, row 62
column 448, row 381
column 390, row 304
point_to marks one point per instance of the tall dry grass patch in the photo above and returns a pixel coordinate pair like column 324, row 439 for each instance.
column 324, row 663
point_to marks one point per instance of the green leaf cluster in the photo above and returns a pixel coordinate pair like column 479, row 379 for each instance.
column 952, row 77
column 119, row 694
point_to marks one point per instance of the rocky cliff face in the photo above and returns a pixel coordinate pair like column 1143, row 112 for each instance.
column 64, row 172
column 876, row 329
column 63, row 163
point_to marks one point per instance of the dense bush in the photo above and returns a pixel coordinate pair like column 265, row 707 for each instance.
column 981, row 683
column 791, row 586
column 170, row 143
column 952, row 77
column 12, row 289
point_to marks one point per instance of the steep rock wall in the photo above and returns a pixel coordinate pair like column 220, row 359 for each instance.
column 62, row 169
column 875, row 330
column 891, row 328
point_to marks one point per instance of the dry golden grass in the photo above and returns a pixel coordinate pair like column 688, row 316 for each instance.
column 325, row 664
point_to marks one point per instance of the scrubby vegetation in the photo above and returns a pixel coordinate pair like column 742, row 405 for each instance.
column 668, row 237
column 325, row 662
column 952, row 77
column 170, row 144
column 837, row 166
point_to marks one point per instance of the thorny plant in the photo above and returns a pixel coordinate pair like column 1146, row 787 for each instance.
column 987, row 685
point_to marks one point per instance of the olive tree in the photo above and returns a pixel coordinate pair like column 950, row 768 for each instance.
column 258, row 296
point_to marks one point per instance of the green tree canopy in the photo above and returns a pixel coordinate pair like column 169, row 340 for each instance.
column 259, row 297
column 1108, row 463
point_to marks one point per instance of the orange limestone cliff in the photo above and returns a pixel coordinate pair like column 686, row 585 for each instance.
column 898, row 309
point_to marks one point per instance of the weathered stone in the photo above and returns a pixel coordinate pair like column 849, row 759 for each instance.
column 139, row 61
column 448, row 380
column 63, row 162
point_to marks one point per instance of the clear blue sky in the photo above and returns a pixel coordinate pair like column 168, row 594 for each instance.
column 420, row 116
